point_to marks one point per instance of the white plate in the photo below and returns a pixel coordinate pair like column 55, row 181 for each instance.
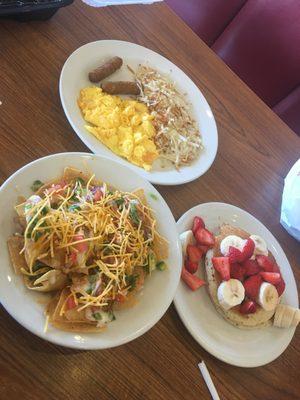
column 159, row 289
column 74, row 76
column 244, row 348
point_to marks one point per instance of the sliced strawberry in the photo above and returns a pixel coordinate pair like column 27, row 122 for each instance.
column 265, row 263
column 197, row 224
column 237, row 271
column 70, row 303
column 192, row 281
column 276, row 268
column 194, row 253
column 234, row 254
column 222, row 265
column 280, row 287
column 248, row 249
column 202, row 248
column 271, row 277
column 252, row 285
column 251, row 267
column 192, row 267
column 248, row 307
column 203, row 236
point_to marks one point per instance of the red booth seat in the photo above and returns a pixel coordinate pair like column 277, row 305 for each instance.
column 259, row 40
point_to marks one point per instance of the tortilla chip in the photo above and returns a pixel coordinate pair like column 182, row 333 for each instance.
column 72, row 173
column 75, row 322
column 160, row 244
column 15, row 245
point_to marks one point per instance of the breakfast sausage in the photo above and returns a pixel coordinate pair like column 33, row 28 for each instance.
column 105, row 69
column 120, row 87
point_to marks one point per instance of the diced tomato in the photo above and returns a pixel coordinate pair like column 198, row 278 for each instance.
column 73, row 257
column 70, row 302
column 192, row 281
column 222, row 265
column 197, row 223
column 98, row 194
column 194, row 253
column 120, row 298
column 204, row 237
column 192, row 267
column 81, row 247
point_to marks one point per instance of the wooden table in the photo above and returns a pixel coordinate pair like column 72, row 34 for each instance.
column 256, row 150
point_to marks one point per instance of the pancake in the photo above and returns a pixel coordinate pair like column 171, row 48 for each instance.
column 261, row 318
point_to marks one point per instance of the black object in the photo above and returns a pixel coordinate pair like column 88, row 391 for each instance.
column 27, row 10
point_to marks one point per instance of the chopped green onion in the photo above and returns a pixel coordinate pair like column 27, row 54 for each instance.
column 134, row 214
column 80, row 180
column 120, row 202
column 37, row 265
column 131, row 281
column 153, row 196
column 161, row 265
column 36, row 185
column 97, row 316
column 151, row 261
column 74, row 207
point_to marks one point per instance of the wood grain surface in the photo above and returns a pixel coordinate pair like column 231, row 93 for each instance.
column 256, row 150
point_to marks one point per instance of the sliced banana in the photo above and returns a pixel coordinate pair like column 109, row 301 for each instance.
column 286, row 316
column 186, row 238
column 268, row 296
column 230, row 293
column 260, row 245
column 231, row 240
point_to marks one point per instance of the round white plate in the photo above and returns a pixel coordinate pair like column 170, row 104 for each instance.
column 244, row 348
column 74, row 76
column 25, row 306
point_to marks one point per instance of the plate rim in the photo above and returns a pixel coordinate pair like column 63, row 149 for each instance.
column 143, row 173
column 185, row 321
column 87, row 345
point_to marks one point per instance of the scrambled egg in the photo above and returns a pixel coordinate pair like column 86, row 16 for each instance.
column 124, row 126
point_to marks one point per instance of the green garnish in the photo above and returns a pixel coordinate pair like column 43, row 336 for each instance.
column 74, row 207
column 153, row 196
column 134, row 214
column 80, row 180
column 151, row 261
column 36, row 185
column 120, row 202
column 131, row 281
column 93, row 278
column 161, row 265
column 37, row 235
column 97, row 316
column 37, row 265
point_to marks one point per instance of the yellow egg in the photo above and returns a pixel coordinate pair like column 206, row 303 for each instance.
column 124, row 126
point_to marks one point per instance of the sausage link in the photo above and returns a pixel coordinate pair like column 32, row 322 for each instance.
column 106, row 69
column 120, row 87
